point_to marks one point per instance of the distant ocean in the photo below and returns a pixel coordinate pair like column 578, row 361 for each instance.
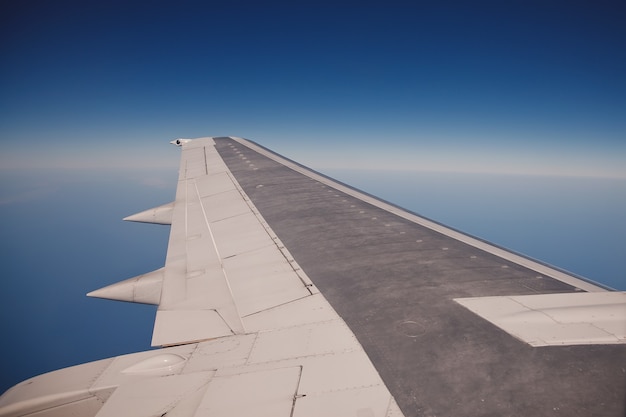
column 574, row 223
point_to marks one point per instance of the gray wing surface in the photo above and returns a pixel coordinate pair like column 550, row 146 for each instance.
column 286, row 293
column 404, row 284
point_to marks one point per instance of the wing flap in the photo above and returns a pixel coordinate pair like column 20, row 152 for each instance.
column 261, row 279
column 172, row 326
column 240, row 394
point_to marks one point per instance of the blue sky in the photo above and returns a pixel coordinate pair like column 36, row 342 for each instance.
column 412, row 101
column 533, row 86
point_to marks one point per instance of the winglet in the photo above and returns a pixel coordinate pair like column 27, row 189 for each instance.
column 157, row 215
column 144, row 289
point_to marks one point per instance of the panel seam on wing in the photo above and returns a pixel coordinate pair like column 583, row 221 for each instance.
column 306, row 282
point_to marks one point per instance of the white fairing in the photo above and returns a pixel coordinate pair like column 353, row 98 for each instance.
column 253, row 335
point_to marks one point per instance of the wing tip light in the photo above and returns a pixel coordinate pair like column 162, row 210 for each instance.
column 180, row 141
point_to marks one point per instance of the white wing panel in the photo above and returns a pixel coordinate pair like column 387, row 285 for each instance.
column 195, row 163
column 215, row 183
column 262, row 279
column 242, row 395
column 173, row 326
column 305, row 340
column 152, row 397
column 224, row 205
column 306, row 310
column 372, row 401
column 240, row 234
column 222, row 261
column 226, row 352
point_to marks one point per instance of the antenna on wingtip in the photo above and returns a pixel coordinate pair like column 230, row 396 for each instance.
column 180, row 142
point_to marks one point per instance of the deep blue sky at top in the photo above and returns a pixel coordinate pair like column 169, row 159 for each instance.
column 531, row 87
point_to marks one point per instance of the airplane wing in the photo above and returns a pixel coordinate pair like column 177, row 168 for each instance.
column 287, row 293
